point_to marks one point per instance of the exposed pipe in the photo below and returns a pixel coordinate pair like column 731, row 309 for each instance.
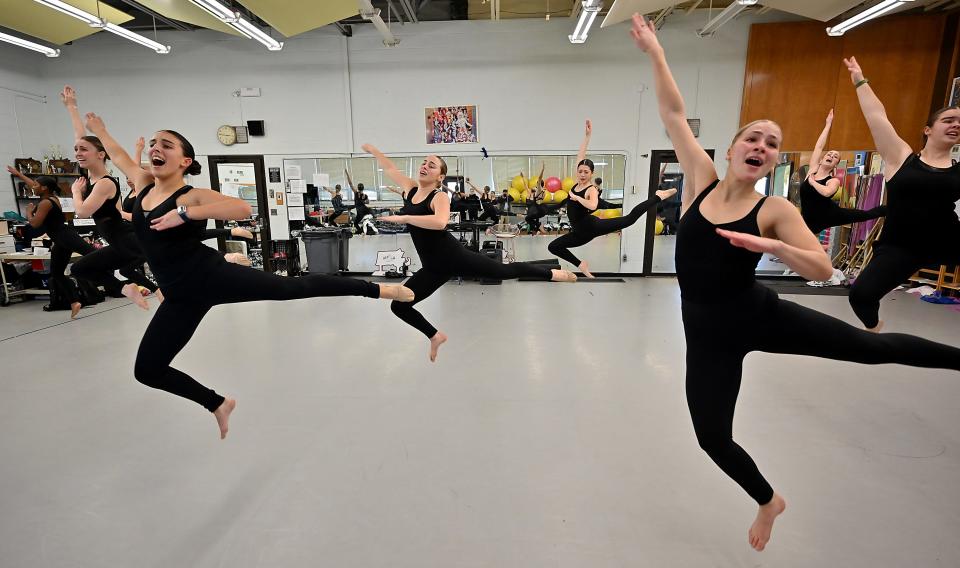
column 371, row 14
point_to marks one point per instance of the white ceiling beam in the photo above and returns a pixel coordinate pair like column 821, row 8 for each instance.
column 695, row 6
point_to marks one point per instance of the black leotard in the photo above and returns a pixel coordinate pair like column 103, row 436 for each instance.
column 576, row 211
column 66, row 241
column 820, row 212
column 727, row 314
column 55, row 221
column 128, row 201
column 195, row 278
column 107, row 216
column 921, row 228
column 708, row 267
column 443, row 257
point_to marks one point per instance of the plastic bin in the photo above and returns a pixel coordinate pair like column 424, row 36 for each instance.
column 323, row 250
column 344, row 248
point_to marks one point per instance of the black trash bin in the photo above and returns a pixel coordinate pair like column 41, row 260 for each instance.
column 344, row 248
column 323, row 250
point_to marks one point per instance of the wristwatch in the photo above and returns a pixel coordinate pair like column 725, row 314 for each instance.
column 182, row 212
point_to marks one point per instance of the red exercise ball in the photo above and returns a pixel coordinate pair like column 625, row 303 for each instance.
column 553, row 184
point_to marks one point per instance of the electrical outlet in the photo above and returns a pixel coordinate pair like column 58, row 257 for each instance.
column 624, row 258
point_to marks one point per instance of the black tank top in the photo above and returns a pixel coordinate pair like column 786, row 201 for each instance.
column 576, row 212
column 921, row 201
column 430, row 243
column 709, row 268
column 128, row 201
column 814, row 206
column 176, row 256
column 55, row 221
column 107, row 216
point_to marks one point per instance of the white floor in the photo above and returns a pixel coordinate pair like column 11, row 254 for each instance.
column 552, row 432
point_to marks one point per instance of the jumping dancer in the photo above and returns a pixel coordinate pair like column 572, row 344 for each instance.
column 169, row 217
column 48, row 215
column 921, row 227
column 817, row 206
column 427, row 211
column 724, row 229
column 582, row 201
column 97, row 197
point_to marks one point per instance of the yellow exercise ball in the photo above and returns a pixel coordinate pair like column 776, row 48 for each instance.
column 547, row 198
column 559, row 196
column 838, row 195
column 524, row 196
column 658, row 228
column 518, row 183
column 567, row 184
column 612, row 213
column 532, row 182
column 514, row 194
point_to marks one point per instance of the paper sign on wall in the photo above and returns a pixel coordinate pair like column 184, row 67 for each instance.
column 295, row 200
column 66, row 205
column 230, row 189
column 321, row 180
column 298, row 186
column 295, row 214
column 292, row 172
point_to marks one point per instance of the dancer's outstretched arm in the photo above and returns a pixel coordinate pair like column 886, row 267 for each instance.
column 694, row 161
column 827, row 189
column 582, row 153
column 820, row 145
column 438, row 221
column 892, row 148
column 390, row 168
column 69, row 98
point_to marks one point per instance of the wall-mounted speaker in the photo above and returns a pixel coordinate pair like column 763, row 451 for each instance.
column 255, row 127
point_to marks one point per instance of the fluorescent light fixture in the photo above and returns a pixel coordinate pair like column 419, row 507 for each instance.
column 233, row 19
column 217, row 10
column 588, row 13
column 96, row 22
column 69, row 10
column 48, row 51
column 137, row 38
column 728, row 13
column 868, row 14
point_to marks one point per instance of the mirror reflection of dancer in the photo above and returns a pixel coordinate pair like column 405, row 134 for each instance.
column 817, row 206
column 48, row 215
column 97, row 197
column 427, row 211
column 582, row 201
column 726, row 312
column 169, row 217
column 921, row 227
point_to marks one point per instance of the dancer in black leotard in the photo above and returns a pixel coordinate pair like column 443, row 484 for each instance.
column 724, row 229
column 921, row 227
column 97, row 196
column 169, row 217
column 582, row 202
column 48, row 215
column 427, row 211
column 817, row 206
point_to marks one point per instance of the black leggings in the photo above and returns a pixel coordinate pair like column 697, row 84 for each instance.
column 839, row 216
column 720, row 335
column 178, row 316
column 66, row 242
column 462, row 263
column 123, row 254
column 591, row 227
column 890, row 266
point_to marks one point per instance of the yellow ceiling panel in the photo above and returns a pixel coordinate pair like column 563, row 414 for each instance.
column 39, row 21
column 822, row 10
column 188, row 12
column 623, row 10
column 292, row 17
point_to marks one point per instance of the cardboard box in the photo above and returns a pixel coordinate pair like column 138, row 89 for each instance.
column 4, row 227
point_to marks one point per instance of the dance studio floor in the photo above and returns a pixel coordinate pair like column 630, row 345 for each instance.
column 553, row 432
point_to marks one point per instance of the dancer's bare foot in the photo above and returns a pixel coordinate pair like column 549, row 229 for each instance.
column 132, row 292
column 398, row 293
column 222, row 414
column 75, row 309
column 563, row 276
column 236, row 258
column 585, row 269
column 159, row 295
column 435, row 342
column 665, row 194
column 760, row 530
column 241, row 233
column 877, row 328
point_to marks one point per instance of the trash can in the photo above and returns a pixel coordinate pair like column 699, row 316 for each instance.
column 323, row 250
column 344, row 248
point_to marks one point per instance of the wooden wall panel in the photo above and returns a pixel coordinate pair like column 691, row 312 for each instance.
column 794, row 75
column 791, row 79
column 900, row 57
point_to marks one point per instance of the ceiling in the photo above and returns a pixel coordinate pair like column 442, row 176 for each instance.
column 288, row 18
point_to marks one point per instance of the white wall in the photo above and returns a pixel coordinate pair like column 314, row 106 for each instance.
column 325, row 94
column 23, row 130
